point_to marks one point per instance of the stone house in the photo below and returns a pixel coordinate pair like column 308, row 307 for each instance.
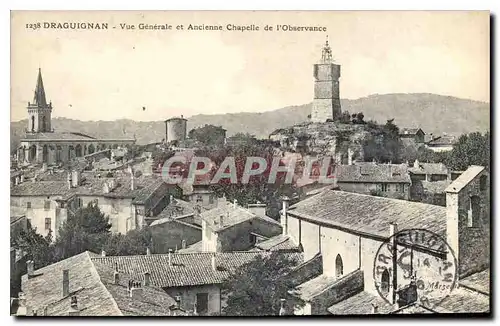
column 412, row 136
column 390, row 180
column 347, row 229
column 441, row 143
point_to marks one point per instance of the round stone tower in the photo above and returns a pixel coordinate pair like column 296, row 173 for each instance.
column 175, row 129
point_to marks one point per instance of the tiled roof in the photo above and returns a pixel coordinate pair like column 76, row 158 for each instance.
column 187, row 269
column 395, row 173
column 177, row 208
column 279, row 242
column 463, row 300
column 435, row 187
column 144, row 187
column 428, row 168
column 442, row 140
column 14, row 219
column 479, row 281
column 313, row 287
column 409, row 131
column 370, row 214
column 361, row 304
column 92, row 284
column 231, row 214
column 414, row 308
column 465, row 178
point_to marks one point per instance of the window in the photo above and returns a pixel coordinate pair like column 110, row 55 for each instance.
column 339, row 266
column 252, row 238
column 397, row 187
column 199, row 199
column 482, row 182
column 384, row 282
column 46, row 205
column 211, row 199
column 473, row 215
column 383, row 186
column 28, row 204
column 48, row 223
column 202, row 303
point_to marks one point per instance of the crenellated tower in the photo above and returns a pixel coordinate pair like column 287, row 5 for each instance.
column 39, row 112
column 326, row 103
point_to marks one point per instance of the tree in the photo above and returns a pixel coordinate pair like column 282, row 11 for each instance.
column 87, row 229
column 385, row 145
column 33, row 245
column 471, row 149
column 257, row 287
column 208, row 135
column 135, row 242
column 160, row 156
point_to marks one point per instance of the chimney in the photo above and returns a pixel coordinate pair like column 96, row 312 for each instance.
column 282, row 307
column 45, row 308
column 169, row 257
column 44, row 167
column 31, row 268
column 103, row 253
column 21, row 178
column 416, row 164
column 374, row 309
column 105, row 188
column 214, row 265
column 148, row 251
column 68, row 179
column 75, row 178
column 147, row 279
column 65, row 283
column 183, row 244
column 221, row 220
column 73, row 310
column 284, row 215
column 16, row 181
column 136, row 291
column 235, row 203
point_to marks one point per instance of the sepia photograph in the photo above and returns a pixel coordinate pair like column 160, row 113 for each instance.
column 250, row 164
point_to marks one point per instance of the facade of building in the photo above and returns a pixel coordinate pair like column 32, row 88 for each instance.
column 441, row 143
column 347, row 229
column 326, row 103
column 412, row 136
column 42, row 144
column 127, row 200
column 389, row 180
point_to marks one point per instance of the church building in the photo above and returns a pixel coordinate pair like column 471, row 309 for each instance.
column 42, row 144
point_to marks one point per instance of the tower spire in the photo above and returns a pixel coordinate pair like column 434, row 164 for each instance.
column 39, row 98
column 326, row 55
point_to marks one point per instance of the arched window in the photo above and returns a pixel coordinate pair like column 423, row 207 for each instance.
column 91, row 149
column 58, row 153
column 32, row 153
column 32, row 123
column 384, row 282
column 339, row 266
column 78, row 150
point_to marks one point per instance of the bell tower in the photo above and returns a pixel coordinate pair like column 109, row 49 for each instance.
column 39, row 112
column 326, row 103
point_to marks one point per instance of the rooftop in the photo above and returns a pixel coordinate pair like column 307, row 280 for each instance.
column 409, row 131
column 361, row 304
column 370, row 215
column 228, row 214
column 465, row 178
column 478, row 281
column 67, row 136
column 442, row 140
column 428, row 168
column 186, row 269
column 93, row 285
column 463, row 300
column 373, row 173
column 279, row 242
column 435, row 187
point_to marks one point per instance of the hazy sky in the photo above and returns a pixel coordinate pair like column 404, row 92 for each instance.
column 112, row 74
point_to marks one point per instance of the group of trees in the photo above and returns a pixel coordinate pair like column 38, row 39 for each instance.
column 87, row 229
column 385, row 145
column 208, row 135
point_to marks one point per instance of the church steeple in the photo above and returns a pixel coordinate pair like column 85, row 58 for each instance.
column 39, row 99
column 326, row 55
column 39, row 112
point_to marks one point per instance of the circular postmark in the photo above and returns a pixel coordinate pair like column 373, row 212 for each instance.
column 415, row 266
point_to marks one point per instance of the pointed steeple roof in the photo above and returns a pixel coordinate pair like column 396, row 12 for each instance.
column 39, row 98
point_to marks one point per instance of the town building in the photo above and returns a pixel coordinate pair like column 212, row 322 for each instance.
column 128, row 200
column 389, row 180
column 42, row 144
column 441, row 143
column 326, row 103
column 230, row 227
column 347, row 229
column 412, row 136
column 84, row 286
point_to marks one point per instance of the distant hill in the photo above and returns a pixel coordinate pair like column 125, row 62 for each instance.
column 433, row 113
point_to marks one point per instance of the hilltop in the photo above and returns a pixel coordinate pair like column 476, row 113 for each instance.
column 433, row 113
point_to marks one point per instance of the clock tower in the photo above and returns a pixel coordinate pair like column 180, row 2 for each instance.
column 326, row 103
